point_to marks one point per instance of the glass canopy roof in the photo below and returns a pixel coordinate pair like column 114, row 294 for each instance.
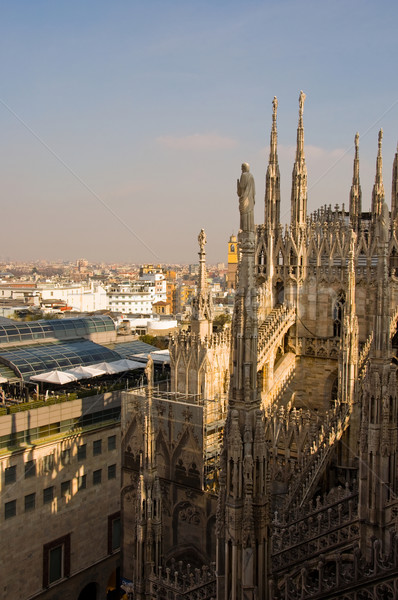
column 32, row 360
column 62, row 329
column 129, row 349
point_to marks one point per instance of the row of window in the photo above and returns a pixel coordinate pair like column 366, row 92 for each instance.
column 27, row 436
column 57, row 554
column 10, row 508
column 48, row 462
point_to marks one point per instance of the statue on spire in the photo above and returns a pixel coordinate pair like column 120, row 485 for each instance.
column 275, row 106
column 202, row 240
column 246, row 193
column 302, row 98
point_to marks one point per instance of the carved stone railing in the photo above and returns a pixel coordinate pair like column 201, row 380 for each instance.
column 319, row 347
column 188, row 339
column 347, row 577
column 277, row 323
column 363, row 358
column 183, row 582
column 304, row 483
column 329, row 524
column 394, row 323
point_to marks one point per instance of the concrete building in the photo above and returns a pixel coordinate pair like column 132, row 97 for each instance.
column 139, row 296
column 78, row 297
column 60, row 500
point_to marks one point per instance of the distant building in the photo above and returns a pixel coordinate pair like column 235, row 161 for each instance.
column 138, row 296
column 232, row 272
column 161, row 308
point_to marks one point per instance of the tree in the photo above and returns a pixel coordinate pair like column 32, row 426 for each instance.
column 158, row 342
column 220, row 321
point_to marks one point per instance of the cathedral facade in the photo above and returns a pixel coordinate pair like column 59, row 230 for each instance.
column 269, row 470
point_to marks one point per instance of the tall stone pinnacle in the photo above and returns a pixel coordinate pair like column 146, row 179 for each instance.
column 299, row 176
column 202, row 306
column 378, row 194
column 356, row 192
column 243, row 496
column 272, row 180
column 394, row 192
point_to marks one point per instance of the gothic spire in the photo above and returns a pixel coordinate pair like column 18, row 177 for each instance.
column 299, row 176
column 243, row 493
column 202, row 305
column 272, row 180
column 394, row 193
column 378, row 188
column 356, row 192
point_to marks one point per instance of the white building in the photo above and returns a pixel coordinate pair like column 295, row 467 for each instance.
column 82, row 298
column 139, row 296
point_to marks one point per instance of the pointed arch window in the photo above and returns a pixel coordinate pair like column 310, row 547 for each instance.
column 362, row 260
column 312, row 259
column 325, row 258
column 338, row 314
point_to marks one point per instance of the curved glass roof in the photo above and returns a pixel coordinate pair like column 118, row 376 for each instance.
column 130, row 349
column 32, row 360
column 62, row 329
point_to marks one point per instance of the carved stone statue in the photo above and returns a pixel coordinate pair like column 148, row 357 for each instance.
column 149, row 371
column 202, row 240
column 275, row 105
column 302, row 98
column 246, row 193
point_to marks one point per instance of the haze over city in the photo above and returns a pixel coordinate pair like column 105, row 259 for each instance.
column 124, row 124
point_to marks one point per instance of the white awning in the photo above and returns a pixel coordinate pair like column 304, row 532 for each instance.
column 86, row 372
column 58, row 377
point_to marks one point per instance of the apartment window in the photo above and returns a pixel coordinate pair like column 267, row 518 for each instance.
column 112, row 472
column 97, row 447
column 81, row 482
column 48, row 463
column 10, row 509
column 97, row 477
column 113, row 532
column 10, row 475
column 30, row 469
column 30, row 502
column 65, row 457
column 56, row 560
column 82, row 452
column 65, row 489
column 48, row 495
column 112, row 442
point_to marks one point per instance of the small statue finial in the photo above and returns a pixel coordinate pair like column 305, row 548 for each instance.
column 302, row 98
column 149, row 371
column 202, row 240
column 356, row 140
column 380, row 136
column 275, row 105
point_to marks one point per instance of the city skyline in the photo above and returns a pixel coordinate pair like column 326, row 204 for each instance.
column 125, row 125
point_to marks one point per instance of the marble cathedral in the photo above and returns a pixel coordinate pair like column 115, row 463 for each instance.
column 269, row 471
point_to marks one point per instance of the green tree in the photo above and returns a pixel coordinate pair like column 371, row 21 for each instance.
column 220, row 321
column 159, row 342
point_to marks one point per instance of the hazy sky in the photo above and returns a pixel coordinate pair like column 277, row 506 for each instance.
column 123, row 124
